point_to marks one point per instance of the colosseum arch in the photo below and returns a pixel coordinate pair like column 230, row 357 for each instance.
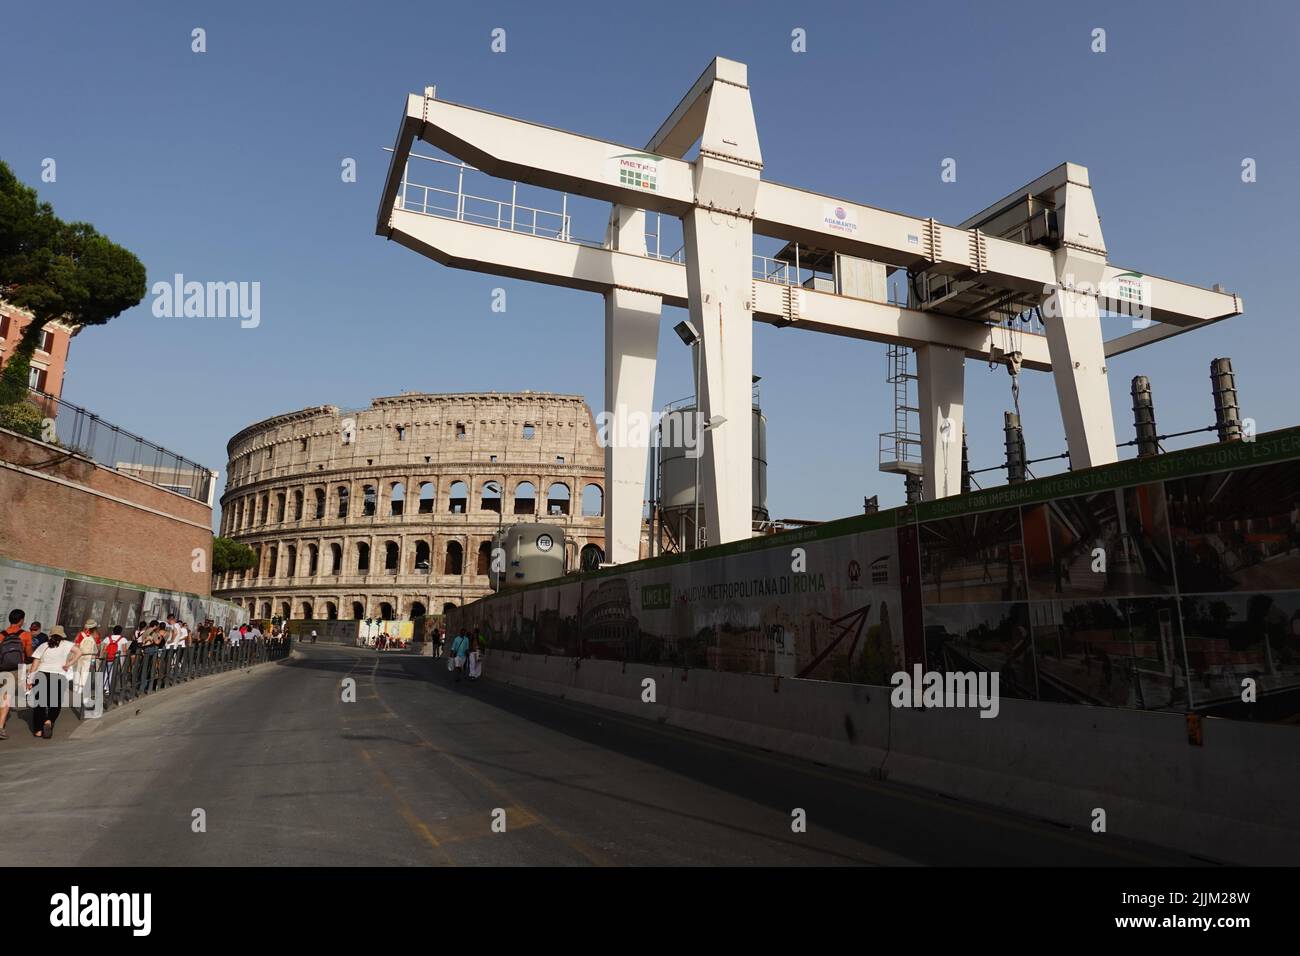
column 455, row 559
column 417, row 610
column 591, row 557
column 593, row 501
column 358, row 611
column 392, row 557
column 291, row 561
column 336, row 558
column 363, row 556
column 385, row 611
column 331, row 611
column 420, row 560
column 397, row 499
column 426, row 497
column 285, row 611
column 458, row 497
column 307, row 611
column 525, row 498
column 557, row 499
column 266, row 611
column 369, row 498
column 313, row 560
column 320, row 504
column 490, row 497
column 280, row 504
column 342, row 495
column 484, row 561
column 297, row 505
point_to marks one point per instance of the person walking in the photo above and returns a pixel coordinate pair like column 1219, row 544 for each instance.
column 15, row 651
column 114, row 646
column 88, row 643
column 459, row 652
column 48, row 681
column 476, row 656
column 39, row 636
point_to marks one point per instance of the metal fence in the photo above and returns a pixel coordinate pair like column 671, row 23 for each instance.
column 129, row 678
column 77, row 429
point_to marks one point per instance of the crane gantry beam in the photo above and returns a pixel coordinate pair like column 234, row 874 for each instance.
column 964, row 274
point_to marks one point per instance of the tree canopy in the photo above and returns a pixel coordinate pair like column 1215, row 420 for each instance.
column 230, row 555
column 56, row 270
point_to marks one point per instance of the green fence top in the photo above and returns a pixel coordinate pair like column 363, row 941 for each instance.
column 1282, row 445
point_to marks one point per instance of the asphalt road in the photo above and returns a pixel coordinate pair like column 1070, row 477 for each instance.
column 414, row 771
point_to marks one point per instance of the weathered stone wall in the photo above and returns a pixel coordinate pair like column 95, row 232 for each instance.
column 287, row 470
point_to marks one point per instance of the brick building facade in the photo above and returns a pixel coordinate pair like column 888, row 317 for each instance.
column 50, row 360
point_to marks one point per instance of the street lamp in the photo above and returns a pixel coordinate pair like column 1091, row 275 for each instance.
column 496, row 543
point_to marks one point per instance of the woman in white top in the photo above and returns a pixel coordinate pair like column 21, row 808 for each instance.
column 47, row 678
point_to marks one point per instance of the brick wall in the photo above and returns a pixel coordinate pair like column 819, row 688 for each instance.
column 91, row 520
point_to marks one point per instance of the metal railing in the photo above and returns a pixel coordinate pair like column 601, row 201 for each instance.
column 79, row 430
column 131, row 677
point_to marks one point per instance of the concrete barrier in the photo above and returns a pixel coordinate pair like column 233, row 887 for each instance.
column 1231, row 799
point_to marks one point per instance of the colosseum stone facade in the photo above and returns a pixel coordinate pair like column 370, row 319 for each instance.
column 389, row 512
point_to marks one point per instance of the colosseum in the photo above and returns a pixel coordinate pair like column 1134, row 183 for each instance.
column 389, row 512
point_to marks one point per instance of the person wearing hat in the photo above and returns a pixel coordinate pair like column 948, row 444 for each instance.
column 47, row 679
column 88, row 643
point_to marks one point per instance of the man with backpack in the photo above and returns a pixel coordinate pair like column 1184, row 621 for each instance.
column 114, row 645
column 15, row 655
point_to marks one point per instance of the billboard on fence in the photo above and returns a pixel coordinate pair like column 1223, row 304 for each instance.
column 52, row 596
column 1170, row 583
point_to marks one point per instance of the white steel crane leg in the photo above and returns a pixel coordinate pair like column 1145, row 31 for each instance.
column 941, row 389
column 631, row 354
column 1072, row 320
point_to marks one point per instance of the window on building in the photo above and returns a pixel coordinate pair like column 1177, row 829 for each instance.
column 593, row 501
column 368, row 501
column 426, row 498
column 37, row 377
column 492, row 457
column 297, row 505
column 47, row 341
column 460, row 431
column 343, row 501
column 363, row 556
column 559, row 459
column 320, row 502
column 422, row 556
column 529, row 431
column 397, row 500
column 401, row 433
column 491, row 500
column 392, row 556
column 336, row 558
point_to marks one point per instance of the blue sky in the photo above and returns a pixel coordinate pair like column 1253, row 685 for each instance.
column 226, row 166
